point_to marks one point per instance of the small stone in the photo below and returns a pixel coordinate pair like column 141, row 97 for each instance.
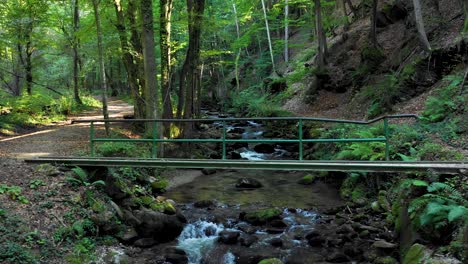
column 228, row 237
column 337, row 257
column 276, row 242
column 248, row 183
column 204, row 204
column 145, row 242
column 384, row 244
column 129, row 235
column 278, row 223
column 208, row 171
column 247, row 240
column 272, row 230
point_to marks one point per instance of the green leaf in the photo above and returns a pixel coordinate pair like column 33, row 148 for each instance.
column 419, row 183
column 458, row 212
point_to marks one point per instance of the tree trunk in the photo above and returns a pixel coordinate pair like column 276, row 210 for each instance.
column 465, row 8
column 373, row 31
column 149, row 58
column 286, row 31
column 189, row 78
column 102, row 70
column 137, row 58
column 28, row 62
column 342, row 6
column 420, row 25
column 129, row 63
column 236, row 62
column 269, row 37
column 165, row 46
column 76, row 57
column 321, row 37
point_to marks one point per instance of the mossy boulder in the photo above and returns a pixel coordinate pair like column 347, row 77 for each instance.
column 416, row 254
column 271, row 261
column 308, row 179
column 386, row 260
column 159, row 185
column 262, row 216
column 164, row 207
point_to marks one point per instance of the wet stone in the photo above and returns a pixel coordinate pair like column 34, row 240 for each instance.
column 247, row 240
column 276, row 242
column 145, row 242
column 228, row 237
column 248, row 183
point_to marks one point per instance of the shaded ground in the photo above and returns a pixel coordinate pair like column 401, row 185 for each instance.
column 62, row 139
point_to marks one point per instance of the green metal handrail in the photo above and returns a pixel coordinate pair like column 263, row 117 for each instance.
column 155, row 140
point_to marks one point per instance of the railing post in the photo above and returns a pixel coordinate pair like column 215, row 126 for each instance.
column 91, row 139
column 387, row 146
column 300, row 140
column 154, row 149
column 224, row 140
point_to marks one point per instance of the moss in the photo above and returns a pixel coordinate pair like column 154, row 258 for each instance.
column 146, row 200
column 263, row 215
column 416, row 254
column 271, row 261
column 385, row 260
column 308, row 179
column 372, row 57
column 358, row 193
column 163, row 207
column 159, row 185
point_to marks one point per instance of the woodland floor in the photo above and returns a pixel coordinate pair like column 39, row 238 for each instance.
column 60, row 139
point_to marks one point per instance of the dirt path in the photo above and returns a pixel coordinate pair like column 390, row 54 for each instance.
column 62, row 139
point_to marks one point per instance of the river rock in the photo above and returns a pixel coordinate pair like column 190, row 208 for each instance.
column 129, row 235
column 208, row 171
column 264, row 148
column 273, row 230
column 276, row 242
column 145, row 242
column 247, row 240
column 304, row 256
column 271, row 261
column 204, row 204
column 248, row 183
column 130, row 219
column 114, row 188
column 246, row 228
column 175, row 256
column 307, row 180
column 261, row 216
column 158, row 225
column 278, row 223
column 337, row 256
column 382, row 244
column 228, row 237
column 234, row 155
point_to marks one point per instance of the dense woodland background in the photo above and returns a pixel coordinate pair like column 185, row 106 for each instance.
column 344, row 59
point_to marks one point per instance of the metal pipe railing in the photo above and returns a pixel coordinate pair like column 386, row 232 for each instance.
column 223, row 140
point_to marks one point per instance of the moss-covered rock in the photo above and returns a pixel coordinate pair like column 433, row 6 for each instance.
column 262, row 216
column 308, row 179
column 417, row 254
column 271, row 261
column 386, row 260
column 159, row 185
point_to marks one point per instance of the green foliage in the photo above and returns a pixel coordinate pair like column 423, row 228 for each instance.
column 253, row 102
column 383, row 95
column 82, row 178
column 446, row 102
column 364, row 151
column 34, row 184
column 14, row 192
column 441, row 206
column 12, row 252
column 39, row 108
column 120, row 149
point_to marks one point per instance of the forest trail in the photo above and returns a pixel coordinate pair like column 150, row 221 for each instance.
column 61, row 139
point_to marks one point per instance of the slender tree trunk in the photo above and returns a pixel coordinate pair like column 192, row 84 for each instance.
column 165, row 46
column 236, row 62
column 344, row 13
column 373, row 31
column 137, row 57
column 353, row 9
column 322, row 40
column 465, row 9
column 149, row 58
column 195, row 9
column 129, row 62
column 286, row 31
column 420, row 25
column 269, row 37
column 28, row 65
column 102, row 70
column 76, row 57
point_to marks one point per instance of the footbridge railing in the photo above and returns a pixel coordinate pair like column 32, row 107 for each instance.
column 224, row 140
